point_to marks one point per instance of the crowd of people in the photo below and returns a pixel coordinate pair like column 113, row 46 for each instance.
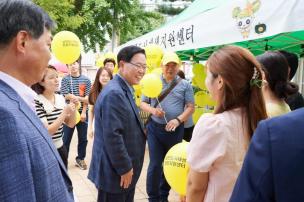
column 249, row 149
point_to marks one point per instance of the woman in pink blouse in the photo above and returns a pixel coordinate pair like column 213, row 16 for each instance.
column 220, row 140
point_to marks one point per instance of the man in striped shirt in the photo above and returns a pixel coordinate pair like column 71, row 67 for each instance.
column 76, row 87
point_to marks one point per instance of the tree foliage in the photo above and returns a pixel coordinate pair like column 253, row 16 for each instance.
column 62, row 11
column 138, row 22
column 178, row 0
column 93, row 20
column 169, row 10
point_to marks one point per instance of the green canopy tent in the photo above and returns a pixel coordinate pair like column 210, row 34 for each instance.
column 206, row 25
column 289, row 41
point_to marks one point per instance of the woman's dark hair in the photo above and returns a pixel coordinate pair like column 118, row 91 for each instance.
column 37, row 87
column 236, row 66
column 97, row 87
column 293, row 62
column 275, row 67
column 181, row 74
column 109, row 60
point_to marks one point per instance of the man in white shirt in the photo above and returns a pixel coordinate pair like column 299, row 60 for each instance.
column 31, row 169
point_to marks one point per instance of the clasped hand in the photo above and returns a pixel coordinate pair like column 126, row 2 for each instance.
column 172, row 125
column 126, row 179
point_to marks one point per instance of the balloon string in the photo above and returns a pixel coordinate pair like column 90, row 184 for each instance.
column 71, row 83
column 162, row 108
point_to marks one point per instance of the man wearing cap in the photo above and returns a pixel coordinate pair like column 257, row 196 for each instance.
column 166, row 127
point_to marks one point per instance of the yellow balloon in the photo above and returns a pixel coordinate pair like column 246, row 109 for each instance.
column 110, row 55
column 66, row 47
column 115, row 71
column 202, row 99
column 158, row 71
column 198, row 112
column 198, row 69
column 136, row 87
column 77, row 117
column 154, row 54
column 194, row 83
column 78, row 105
column 99, row 62
column 176, row 167
column 151, row 85
column 199, row 81
column 137, row 94
column 199, row 76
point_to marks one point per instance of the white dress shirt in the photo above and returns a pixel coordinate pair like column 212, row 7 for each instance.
column 25, row 92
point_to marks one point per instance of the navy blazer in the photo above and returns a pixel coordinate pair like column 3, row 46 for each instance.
column 30, row 166
column 119, row 140
column 273, row 169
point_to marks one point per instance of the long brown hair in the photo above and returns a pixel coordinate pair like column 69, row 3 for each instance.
column 236, row 67
column 97, row 87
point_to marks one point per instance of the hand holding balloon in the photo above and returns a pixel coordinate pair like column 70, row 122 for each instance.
column 69, row 109
column 151, row 86
column 74, row 99
column 158, row 112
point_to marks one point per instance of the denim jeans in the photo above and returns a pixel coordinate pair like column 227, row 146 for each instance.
column 64, row 155
column 82, row 138
column 159, row 142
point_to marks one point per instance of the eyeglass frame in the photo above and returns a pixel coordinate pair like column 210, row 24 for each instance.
column 137, row 66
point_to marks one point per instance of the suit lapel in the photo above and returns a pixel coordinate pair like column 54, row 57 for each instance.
column 131, row 100
column 38, row 124
column 33, row 118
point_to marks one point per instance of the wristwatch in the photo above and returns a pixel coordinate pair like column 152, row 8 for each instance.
column 179, row 121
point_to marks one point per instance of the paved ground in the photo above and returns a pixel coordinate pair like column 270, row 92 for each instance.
column 86, row 191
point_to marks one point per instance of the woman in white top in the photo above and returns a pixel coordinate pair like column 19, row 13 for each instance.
column 52, row 109
column 276, row 87
column 103, row 76
column 220, row 140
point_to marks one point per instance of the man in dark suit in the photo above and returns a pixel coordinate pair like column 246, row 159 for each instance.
column 119, row 141
column 31, row 169
column 273, row 169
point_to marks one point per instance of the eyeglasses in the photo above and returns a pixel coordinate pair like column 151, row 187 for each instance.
column 139, row 66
